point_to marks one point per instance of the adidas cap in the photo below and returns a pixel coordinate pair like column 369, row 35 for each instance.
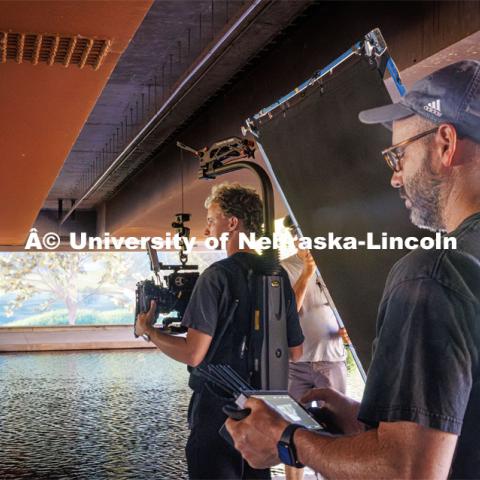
column 449, row 95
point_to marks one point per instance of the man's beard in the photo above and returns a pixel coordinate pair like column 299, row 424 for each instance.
column 424, row 190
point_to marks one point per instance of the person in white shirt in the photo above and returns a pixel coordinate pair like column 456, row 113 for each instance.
column 322, row 363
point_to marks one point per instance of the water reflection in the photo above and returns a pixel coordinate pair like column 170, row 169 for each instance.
column 99, row 415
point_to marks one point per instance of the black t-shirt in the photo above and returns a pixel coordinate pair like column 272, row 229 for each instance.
column 425, row 367
column 214, row 294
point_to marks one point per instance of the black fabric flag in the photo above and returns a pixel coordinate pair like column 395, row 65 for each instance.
column 329, row 168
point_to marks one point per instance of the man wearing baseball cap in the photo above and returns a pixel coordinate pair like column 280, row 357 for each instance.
column 420, row 412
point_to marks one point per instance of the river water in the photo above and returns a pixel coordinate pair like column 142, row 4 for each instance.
column 119, row 415
column 96, row 415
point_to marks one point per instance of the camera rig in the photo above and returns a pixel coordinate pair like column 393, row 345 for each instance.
column 268, row 337
column 226, row 156
column 171, row 292
column 221, row 152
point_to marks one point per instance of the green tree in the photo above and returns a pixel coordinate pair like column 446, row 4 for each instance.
column 71, row 278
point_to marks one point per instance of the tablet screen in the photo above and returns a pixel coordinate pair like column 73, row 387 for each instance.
column 286, row 406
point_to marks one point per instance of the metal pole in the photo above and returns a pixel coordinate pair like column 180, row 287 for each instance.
column 340, row 323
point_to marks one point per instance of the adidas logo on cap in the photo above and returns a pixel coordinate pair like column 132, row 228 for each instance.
column 433, row 107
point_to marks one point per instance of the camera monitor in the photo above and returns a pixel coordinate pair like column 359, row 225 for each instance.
column 286, row 406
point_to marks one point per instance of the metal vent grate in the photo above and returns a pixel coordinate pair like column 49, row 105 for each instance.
column 51, row 48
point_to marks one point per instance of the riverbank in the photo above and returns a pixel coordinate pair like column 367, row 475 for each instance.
column 76, row 337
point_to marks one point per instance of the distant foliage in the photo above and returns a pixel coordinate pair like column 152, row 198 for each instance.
column 80, row 281
column 351, row 365
column 71, row 278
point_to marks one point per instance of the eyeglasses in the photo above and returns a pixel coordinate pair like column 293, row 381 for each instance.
column 395, row 153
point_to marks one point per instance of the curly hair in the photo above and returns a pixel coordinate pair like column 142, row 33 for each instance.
column 239, row 201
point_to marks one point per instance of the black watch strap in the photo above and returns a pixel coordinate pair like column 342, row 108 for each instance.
column 287, row 439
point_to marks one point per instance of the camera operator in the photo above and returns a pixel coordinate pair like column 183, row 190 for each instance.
column 218, row 318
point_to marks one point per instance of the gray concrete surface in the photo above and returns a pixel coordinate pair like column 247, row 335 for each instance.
column 32, row 339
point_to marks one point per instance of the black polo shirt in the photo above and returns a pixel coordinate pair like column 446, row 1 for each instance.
column 425, row 367
column 210, row 307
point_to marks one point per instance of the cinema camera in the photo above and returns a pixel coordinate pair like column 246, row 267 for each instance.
column 171, row 292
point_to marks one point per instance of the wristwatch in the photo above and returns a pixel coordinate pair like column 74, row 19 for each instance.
column 286, row 448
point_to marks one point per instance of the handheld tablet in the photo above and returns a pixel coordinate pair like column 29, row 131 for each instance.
column 285, row 405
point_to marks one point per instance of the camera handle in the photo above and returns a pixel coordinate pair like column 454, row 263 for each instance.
column 183, row 232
